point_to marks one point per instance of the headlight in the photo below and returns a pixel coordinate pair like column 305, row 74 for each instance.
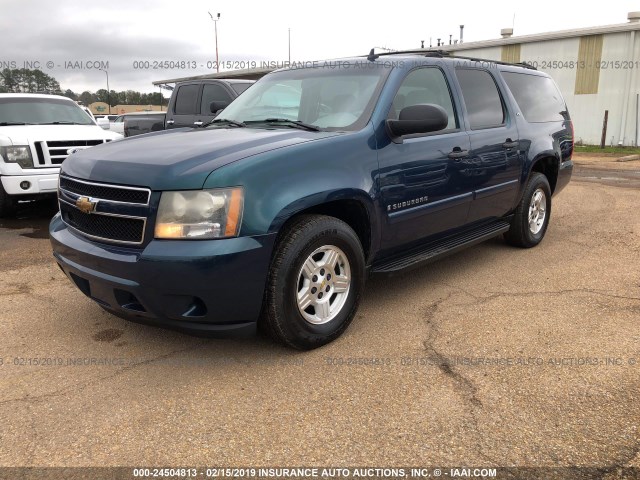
column 200, row 214
column 20, row 155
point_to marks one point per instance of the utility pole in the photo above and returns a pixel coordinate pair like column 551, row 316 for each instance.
column 108, row 91
column 215, row 23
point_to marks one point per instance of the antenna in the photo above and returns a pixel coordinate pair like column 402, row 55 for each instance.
column 372, row 56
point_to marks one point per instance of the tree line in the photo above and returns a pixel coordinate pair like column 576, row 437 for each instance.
column 24, row 80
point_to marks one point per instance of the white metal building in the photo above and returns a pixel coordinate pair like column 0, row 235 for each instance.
column 596, row 69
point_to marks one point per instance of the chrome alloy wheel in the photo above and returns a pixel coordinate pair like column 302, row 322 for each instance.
column 537, row 211
column 323, row 284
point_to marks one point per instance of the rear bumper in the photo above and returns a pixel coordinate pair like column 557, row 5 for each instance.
column 38, row 184
column 206, row 287
column 564, row 175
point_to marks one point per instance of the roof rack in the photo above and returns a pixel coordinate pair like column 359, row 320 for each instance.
column 446, row 54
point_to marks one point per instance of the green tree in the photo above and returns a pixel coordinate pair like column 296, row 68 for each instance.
column 27, row 81
column 101, row 95
column 70, row 94
column 87, row 98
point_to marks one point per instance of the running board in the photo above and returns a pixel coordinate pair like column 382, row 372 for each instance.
column 447, row 246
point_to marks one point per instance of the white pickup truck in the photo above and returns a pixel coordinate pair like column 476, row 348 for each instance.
column 37, row 133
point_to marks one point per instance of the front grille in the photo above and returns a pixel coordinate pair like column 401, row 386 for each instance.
column 113, row 193
column 119, row 212
column 55, row 152
column 104, row 227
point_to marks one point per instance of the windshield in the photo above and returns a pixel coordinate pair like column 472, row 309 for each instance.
column 329, row 98
column 38, row 111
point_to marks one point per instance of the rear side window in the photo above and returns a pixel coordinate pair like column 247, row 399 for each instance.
column 481, row 97
column 186, row 100
column 240, row 87
column 213, row 92
column 424, row 85
column 538, row 97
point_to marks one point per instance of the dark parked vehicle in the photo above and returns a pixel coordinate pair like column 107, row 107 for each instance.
column 276, row 212
column 143, row 122
column 191, row 102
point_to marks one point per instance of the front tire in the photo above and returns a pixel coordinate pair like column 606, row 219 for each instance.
column 531, row 218
column 315, row 282
column 7, row 203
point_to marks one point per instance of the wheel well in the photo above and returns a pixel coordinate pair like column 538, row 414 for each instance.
column 351, row 212
column 547, row 166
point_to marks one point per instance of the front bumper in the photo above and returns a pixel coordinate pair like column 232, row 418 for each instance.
column 210, row 287
column 39, row 183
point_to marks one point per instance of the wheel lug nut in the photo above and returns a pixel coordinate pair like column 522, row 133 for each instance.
column 328, row 288
column 328, row 276
column 315, row 278
column 320, row 295
column 322, row 272
column 314, row 290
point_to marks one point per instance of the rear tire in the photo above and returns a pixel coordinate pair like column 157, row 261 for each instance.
column 7, row 203
column 531, row 218
column 315, row 282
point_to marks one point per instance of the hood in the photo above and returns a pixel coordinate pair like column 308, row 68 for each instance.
column 27, row 134
column 179, row 159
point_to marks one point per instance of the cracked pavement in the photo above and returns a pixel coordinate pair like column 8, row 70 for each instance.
column 493, row 357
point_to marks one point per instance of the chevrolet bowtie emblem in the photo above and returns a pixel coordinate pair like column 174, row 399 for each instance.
column 86, row 205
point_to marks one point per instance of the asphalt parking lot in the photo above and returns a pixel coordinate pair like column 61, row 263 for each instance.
column 496, row 357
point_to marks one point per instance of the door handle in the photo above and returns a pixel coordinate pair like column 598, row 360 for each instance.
column 198, row 123
column 170, row 122
column 458, row 153
column 510, row 144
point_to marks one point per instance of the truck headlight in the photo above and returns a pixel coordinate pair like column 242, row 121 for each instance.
column 200, row 214
column 18, row 154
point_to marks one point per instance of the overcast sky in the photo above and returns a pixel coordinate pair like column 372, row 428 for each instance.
column 121, row 32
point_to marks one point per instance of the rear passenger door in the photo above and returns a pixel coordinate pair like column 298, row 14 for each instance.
column 492, row 169
column 184, row 105
column 212, row 92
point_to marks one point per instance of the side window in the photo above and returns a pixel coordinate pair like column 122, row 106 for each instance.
column 186, row 100
column 213, row 92
column 240, row 87
column 481, row 97
column 537, row 96
column 425, row 85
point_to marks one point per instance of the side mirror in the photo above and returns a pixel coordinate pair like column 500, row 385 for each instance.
column 219, row 105
column 423, row 118
column 104, row 123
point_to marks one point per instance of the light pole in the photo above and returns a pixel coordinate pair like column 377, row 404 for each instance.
column 108, row 91
column 215, row 24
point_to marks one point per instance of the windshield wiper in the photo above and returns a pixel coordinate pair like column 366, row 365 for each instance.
column 290, row 123
column 226, row 121
column 6, row 124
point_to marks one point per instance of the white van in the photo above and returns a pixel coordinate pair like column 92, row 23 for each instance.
column 37, row 133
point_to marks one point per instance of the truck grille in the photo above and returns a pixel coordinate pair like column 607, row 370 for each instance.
column 53, row 153
column 119, row 213
column 115, row 194
column 103, row 227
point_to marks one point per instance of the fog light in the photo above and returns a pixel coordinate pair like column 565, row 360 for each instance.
column 25, row 185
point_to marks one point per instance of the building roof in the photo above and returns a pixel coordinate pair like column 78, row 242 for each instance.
column 542, row 37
